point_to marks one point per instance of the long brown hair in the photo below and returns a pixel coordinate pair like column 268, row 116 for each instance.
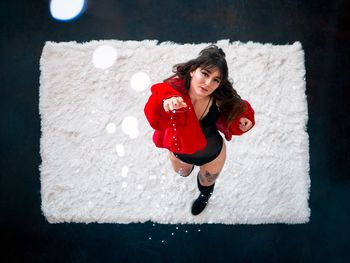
column 230, row 103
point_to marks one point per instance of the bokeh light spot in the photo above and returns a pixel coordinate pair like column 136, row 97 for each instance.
column 130, row 127
column 104, row 56
column 66, row 9
column 140, row 81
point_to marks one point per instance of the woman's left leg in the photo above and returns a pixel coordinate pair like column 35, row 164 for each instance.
column 209, row 172
column 206, row 180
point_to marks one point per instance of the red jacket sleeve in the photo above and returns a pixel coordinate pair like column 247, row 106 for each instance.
column 249, row 114
column 154, row 112
column 234, row 129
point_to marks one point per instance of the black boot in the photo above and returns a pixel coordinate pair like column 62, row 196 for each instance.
column 201, row 202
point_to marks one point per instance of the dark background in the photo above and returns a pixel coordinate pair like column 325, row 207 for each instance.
column 323, row 29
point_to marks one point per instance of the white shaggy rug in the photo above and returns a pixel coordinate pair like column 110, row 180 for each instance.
column 99, row 163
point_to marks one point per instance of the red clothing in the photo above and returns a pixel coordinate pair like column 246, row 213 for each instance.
column 181, row 131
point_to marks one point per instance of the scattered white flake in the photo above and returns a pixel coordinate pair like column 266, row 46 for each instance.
column 110, row 127
column 120, row 150
column 125, row 171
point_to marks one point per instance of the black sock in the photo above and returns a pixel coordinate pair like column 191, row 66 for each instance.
column 201, row 202
column 205, row 190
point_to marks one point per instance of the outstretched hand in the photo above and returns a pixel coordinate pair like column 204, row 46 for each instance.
column 174, row 103
column 245, row 124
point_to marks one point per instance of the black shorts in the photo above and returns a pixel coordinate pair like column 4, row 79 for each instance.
column 209, row 153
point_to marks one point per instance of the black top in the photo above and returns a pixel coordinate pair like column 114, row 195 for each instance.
column 214, row 140
column 211, row 117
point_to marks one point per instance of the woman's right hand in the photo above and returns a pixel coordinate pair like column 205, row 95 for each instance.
column 174, row 103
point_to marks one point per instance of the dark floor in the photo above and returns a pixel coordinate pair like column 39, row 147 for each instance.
column 323, row 29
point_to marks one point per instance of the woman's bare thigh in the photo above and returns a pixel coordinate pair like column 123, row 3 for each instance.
column 210, row 171
column 179, row 166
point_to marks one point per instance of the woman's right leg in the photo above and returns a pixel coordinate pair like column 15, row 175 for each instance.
column 180, row 167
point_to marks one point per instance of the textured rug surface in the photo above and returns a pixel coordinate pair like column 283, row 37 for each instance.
column 99, row 163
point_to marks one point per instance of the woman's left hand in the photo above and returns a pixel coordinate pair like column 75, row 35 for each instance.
column 245, row 124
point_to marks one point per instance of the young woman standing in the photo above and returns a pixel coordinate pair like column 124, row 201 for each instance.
column 187, row 111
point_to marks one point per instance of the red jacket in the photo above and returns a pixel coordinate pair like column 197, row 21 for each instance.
column 180, row 131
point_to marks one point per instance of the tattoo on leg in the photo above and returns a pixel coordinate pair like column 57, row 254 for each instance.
column 210, row 177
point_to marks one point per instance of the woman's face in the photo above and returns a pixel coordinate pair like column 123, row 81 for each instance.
column 205, row 81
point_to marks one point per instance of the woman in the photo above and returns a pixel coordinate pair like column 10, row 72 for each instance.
column 187, row 110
